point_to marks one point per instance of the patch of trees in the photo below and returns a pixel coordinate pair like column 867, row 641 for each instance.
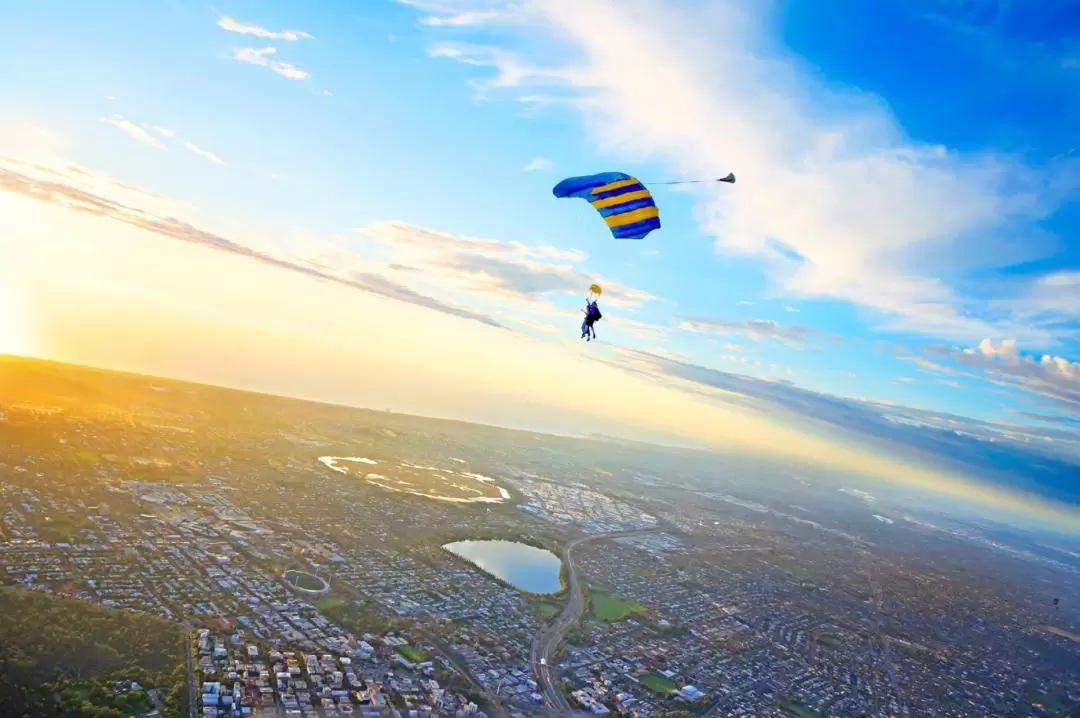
column 64, row 658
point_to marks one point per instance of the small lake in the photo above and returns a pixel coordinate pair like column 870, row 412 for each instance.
column 527, row 568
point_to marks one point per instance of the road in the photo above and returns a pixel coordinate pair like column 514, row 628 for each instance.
column 192, row 699
column 547, row 640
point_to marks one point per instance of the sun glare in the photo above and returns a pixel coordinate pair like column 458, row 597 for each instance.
column 14, row 332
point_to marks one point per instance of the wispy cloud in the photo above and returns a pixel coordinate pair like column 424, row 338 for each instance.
column 135, row 132
column 63, row 190
column 195, row 149
column 758, row 330
column 1050, row 418
column 511, row 69
column 1049, row 457
column 263, row 58
column 466, row 13
column 539, row 164
column 1052, row 299
column 476, row 17
column 506, row 270
column 231, row 25
column 145, row 133
column 928, row 365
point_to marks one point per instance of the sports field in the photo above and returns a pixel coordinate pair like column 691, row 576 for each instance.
column 412, row 654
column 797, row 709
column 658, row 684
column 609, row 608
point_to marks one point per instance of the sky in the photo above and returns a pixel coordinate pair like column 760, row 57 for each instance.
column 351, row 201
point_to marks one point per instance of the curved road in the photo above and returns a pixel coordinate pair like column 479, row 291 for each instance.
column 550, row 635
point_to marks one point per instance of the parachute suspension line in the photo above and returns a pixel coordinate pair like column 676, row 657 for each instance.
column 730, row 179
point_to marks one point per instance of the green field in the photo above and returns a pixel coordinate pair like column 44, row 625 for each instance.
column 412, row 654
column 329, row 603
column 658, row 684
column 608, row 608
column 546, row 611
column 798, row 710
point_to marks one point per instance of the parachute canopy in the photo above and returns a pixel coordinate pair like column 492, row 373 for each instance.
column 596, row 289
column 625, row 203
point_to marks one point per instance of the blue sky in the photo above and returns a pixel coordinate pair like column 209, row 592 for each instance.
column 902, row 233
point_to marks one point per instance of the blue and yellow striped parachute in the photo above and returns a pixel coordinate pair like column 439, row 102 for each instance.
column 625, row 203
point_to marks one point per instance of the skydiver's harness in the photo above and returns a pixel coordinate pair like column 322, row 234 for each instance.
column 592, row 314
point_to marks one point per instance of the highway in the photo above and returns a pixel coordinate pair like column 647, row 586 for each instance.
column 547, row 640
column 192, row 697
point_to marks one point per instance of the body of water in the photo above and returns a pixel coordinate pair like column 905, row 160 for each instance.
column 530, row 569
column 430, row 482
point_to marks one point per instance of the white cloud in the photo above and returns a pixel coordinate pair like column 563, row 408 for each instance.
column 42, row 160
column 227, row 23
column 512, row 70
column 503, row 270
column 539, row 164
column 833, row 196
column 402, row 235
column 145, row 133
column 1053, row 298
column 1050, row 376
column 476, row 17
column 789, row 308
column 261, row 57
column 756, row 329
column 135, row 132
column 634, row 328
column 927, row 364
column 195, row 149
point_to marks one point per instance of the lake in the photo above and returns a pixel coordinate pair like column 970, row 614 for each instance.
column 527, row 568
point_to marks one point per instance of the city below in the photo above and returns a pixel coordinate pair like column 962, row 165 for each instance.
column 257, row 555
